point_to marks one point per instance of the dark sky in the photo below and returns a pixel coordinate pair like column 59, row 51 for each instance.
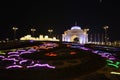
column 59, row 15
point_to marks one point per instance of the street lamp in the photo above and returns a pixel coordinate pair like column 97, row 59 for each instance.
column 33, row 30
column 86, row 30
column 50, row 31
column 15, row 29
column 106, row 37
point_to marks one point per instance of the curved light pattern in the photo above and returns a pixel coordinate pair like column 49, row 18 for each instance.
column 32, row 62
column 108, row 56
column 45, row 46
column 3, row 53
column 2, row 57
column 112, row 63
column 116, row 66
column 118, row 73
column 95, row 52
column 14, row 66
column 27, row 52
column 13, row 53
column 21, row 50
column 109, row 61
column 112, row 58
column 41, row 65
column 51, row 54
column 14, row 62
column 84, row 48
column 105, row 54
column 17, row 61
column 31, row 50
column 11, row 59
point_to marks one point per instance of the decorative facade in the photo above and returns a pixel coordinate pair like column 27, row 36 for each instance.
column 76, row 34
column 40, row 38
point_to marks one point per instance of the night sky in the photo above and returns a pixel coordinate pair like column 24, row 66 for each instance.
column 60, row 16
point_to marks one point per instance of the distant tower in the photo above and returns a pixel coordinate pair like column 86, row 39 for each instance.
column 102, row 40
column 91, row 38
column 100, row 1
column 75, row 23
column 95, row 38
column 98, row 38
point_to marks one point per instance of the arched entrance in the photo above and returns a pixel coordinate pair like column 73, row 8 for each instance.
column 75, row 38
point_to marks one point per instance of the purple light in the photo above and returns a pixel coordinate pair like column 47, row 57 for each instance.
column 84, row 48
column 21, row 50
column 95, row 52
column 14, row 66
column 31, row 50
column 15, row 55
column 112, row 58
column 1, row 57
column 41, row 65
column 105, row 55
column 11, row 59
column 27, row 52
column 31, row 41
column 10, row 53
column 32, row 62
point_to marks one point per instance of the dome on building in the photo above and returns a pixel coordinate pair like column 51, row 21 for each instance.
column 75, row 27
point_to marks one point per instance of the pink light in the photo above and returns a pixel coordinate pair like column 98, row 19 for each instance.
column 112, row 58
column 14, row 66
column 41, row 65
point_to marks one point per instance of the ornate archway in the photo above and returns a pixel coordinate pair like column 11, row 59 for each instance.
column 75, row 38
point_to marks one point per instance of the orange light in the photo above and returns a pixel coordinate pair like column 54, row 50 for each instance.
column 72, row 53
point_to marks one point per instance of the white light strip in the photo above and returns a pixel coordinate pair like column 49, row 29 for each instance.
column 115, row 73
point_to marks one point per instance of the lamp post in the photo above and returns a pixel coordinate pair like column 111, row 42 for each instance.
column 106, row 36
column 50, row 31
column 15, row 29
column 33, row 30
column 86, row 30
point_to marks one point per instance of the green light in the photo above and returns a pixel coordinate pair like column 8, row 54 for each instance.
column 116, row 66
column 117, row 63
column 112, row 63
column 2, row 52
column 109, row 61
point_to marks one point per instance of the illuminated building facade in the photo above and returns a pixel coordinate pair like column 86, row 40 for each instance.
column 76, row 34
column 40, row 38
